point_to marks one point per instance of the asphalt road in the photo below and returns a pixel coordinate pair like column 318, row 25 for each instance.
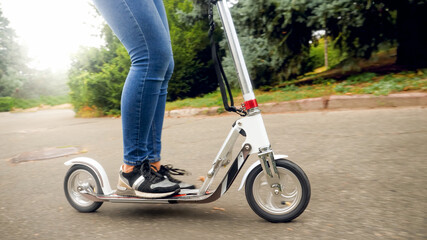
column 367, row 170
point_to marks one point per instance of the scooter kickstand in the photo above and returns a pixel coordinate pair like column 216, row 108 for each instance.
column 86, row 190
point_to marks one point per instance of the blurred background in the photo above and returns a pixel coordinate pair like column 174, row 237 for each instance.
column 62, row 52
column 366, row 167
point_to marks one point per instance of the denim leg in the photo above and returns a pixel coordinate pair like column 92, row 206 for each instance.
column 155, row 135
column 141, row 29
column 162, row 13
column 154, row 139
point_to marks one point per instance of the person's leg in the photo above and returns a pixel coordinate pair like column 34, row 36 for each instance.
column 154, row 138
column 162, row 13
column 141, row 30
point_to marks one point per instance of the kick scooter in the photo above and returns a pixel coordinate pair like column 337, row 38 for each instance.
column 276, row 189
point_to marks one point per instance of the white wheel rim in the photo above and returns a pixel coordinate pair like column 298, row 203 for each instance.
column 282, row 203
column 77, row 179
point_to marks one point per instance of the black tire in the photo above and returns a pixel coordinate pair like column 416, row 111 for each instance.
column 77, row 201
column 278, row 210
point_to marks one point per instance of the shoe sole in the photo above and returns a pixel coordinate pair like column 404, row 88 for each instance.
column 188, row 187
column 125, row 190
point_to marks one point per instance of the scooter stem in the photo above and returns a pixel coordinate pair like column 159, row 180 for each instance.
column 236, row 52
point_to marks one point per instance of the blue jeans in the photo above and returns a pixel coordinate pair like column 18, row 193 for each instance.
column 141, row 25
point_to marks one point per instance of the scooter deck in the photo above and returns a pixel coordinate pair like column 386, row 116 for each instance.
column 185, row 195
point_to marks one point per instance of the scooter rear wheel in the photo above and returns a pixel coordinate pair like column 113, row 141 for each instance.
column 78, row 176
column 278, row 206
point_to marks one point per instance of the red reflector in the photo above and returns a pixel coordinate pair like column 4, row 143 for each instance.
column 251, row 104
column 179, row 195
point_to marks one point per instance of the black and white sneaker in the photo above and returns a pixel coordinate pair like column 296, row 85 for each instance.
column 144, row 182
column 168, row 170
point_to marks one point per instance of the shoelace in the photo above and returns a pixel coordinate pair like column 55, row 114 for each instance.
column 175, row 171
column 152, row 173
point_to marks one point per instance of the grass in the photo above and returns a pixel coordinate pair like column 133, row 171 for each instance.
column 208, row 100
column 364, row 83
column 10, row 103
column 43, row 100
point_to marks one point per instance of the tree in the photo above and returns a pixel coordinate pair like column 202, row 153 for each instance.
column 275, row 35
column 359, row 27
column 193, row 74
column 411, row 25
column 40, row 83
column 275, row 38
column 12, row 59
column 97, row 75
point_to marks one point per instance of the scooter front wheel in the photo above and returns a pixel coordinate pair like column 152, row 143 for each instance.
column 278, row 206
column 79, row 176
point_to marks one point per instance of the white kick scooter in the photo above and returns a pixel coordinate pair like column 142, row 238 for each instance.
column 276, row 189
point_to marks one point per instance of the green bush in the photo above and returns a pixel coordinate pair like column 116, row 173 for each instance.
column 384, row 88
column 26, row 103
column 6, row 104
column 317, row 58
column 323, row 81
column 290, row 88
column 387, row 85
column 97, row 75
column 113, row 112
column 43, row 100
column 341, row 88
column 360, row 78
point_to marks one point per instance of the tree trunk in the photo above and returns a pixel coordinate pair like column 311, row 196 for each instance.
column 326, row 51
column 412, row 34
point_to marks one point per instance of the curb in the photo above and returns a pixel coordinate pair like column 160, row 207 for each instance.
column 334, row 102
column 185, row 112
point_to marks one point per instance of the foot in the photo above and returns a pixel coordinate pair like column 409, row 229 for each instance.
column 144, row 182
column 168, row 170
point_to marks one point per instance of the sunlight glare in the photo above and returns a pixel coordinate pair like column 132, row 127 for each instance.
column 53, row 30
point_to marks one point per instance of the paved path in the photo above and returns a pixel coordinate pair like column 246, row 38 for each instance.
column 367, row 170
